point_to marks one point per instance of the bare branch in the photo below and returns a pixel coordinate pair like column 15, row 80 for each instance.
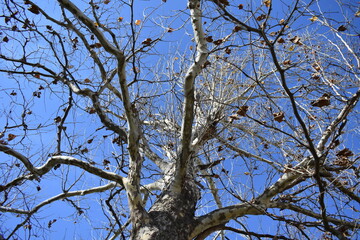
column 192, row 73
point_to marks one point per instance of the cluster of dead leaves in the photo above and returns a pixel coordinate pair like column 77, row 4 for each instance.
column 215, row 42
column 343, row 157
column 9, row 138
column 242, row 112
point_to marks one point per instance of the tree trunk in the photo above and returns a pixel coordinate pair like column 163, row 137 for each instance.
column 171, row 217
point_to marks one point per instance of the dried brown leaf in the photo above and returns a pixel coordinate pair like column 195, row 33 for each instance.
column 34, row 9
column 342, row 28
column 11, row 137
column 323, row 101
column 261, row 17
column 279, row 116
column 242, row 110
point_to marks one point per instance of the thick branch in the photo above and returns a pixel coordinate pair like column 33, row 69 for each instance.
column 193, row 72
column 132, row 184
column 19, row 156
column 55, row 160
column 351, row 103
column 92, row 26
column 59, row 197
column 223, row 215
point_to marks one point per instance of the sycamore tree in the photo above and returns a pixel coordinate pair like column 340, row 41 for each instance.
column 179, row 120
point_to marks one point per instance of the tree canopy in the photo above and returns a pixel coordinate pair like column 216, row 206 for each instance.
column 179, row 120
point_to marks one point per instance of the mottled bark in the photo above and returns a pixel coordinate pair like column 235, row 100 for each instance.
column 171, row 216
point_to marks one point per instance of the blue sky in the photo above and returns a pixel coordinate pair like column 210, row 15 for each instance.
column 82, row 125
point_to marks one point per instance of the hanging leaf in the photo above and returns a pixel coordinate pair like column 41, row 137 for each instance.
column 106, row 1
column 335, row 144
column 315, row 76
column 323, row 101
column 267, row 3
column 26, row 24
column 280, row 40
column 241, row 6
column 209, row 39
column 218, row 42
column 137, row 22
column 84, row 150
column 273, row 33
column 343, row 158
column 242, row 111
column 34, row 9
column 316, row 66
column 220, row 148
column 287, row 62
column 147, row 41
column 227, row 50
column 5, row 39
column 37, row 94
column 237, row 28
column 296, row 40
column 11, row 137
column 345, row 153
column 342, row 28
column 261, row 17
column 279, row 117
column 120, row 19
column 313, row 18
column 91, row 110
column 57, row 119
column 28, row 226
column 231, row 138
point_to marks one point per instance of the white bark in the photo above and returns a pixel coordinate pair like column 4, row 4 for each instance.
column 189, row 88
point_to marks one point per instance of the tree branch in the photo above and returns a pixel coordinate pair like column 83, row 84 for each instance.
column 19, row 156
column 189, row 88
